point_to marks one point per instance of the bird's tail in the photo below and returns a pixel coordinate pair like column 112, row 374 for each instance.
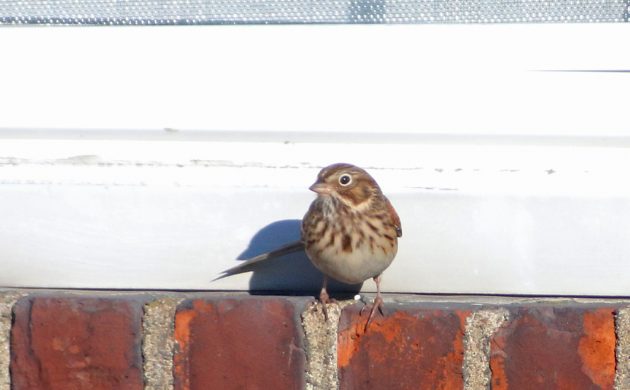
column 248, row 264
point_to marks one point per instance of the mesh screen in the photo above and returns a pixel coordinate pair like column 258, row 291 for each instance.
column 165, row 12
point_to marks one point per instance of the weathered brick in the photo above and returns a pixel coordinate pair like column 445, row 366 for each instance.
column 415, row 347
column 555, row 348
column 76, row 343
column 251, row 343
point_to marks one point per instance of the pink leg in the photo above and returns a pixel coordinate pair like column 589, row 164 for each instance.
column 324, row 298
column 378, row 302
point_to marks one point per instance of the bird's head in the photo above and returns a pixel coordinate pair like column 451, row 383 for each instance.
column 348, row 183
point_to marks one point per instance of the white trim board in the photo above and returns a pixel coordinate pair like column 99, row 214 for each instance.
column 153, row 157
column 444, row 79
column 477, row 217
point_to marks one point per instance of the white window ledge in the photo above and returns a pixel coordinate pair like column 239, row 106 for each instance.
column 538, row 204
column 522, row 216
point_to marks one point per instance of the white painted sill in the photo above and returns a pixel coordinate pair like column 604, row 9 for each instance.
column 486, row 217
column 538, row 205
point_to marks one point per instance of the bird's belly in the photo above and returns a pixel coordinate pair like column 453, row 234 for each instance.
column 353, row 267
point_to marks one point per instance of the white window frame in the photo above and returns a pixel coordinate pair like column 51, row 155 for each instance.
column 151, row 157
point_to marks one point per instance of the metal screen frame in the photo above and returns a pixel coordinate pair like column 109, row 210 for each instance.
column 217, row 12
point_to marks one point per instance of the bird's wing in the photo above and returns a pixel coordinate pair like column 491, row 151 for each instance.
column 395, row 218
column 249, row 263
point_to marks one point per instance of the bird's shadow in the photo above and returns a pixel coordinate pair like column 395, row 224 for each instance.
column 293, row 273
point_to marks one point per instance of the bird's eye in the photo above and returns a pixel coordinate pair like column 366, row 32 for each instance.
column 345, row 179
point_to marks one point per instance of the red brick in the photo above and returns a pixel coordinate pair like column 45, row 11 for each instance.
column 248, row 343
column 418, row 348
column 76, row 343
column 555, row 348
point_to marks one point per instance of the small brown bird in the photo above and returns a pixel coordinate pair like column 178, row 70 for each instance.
column 350, row 232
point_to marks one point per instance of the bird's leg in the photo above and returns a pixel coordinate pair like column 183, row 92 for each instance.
column 324, row 298
column 378, row 302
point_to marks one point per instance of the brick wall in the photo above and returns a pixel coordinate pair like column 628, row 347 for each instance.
column 136, row 340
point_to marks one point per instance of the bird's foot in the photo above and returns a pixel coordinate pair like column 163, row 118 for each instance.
column 376, row 305
column 325, row 299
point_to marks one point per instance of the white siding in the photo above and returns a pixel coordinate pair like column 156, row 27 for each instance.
column 506, row 180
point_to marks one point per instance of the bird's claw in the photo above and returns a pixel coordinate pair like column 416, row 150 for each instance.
column 376, row 305
column 325, row 299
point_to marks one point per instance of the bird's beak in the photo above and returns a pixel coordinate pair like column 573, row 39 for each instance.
column 321, row 188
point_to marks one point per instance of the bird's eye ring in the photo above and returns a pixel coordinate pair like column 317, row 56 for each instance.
column 345, row 179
